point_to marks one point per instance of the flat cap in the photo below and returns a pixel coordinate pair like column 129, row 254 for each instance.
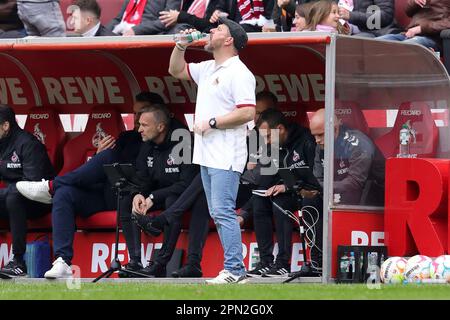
column 238, row 33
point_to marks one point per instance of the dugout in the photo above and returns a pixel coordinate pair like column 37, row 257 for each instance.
column 365, row 81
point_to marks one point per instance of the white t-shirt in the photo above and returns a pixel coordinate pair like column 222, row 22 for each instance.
column 222, row 89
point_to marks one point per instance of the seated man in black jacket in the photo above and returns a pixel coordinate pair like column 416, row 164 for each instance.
column 86, row 190
column 23, row 157
column 86, row 19
column 296, row 149
column 163, row 178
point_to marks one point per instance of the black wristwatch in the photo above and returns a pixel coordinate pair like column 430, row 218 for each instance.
column 213, row 123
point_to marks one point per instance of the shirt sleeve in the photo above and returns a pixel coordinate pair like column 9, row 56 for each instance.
column 243, row 90
column 194, row 70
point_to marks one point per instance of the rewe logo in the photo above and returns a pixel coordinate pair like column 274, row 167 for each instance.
column 39, row 116
column 103, row 253
column 411, row 113
column 5, row 254
column 101, row 115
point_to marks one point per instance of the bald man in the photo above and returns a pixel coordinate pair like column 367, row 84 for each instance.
column 358, row 164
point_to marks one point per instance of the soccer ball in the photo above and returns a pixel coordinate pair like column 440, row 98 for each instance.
column 418, row 268
column 392, row 270
column 440, row 268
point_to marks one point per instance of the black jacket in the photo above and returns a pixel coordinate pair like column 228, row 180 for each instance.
column 9, row 19
column 359, row 16
column 201, row 24
column 103, row 32
column 128, row 145
column 150, row 23
column 356, row 161
column 158, row 173
column 231, row 7
column 297, row 151
column 284, row 23
column 23, row 157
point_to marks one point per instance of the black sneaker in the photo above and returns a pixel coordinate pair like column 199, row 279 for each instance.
column 13, row 269
column 188, row 271
column 277, row 272
column 145, row 223
column 131, row 266
column 154, row 269
column 259, row 270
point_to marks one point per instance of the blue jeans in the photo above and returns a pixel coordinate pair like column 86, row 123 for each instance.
column 42, row 19
column 424, row 41
column 84, row 191
column 221, row 187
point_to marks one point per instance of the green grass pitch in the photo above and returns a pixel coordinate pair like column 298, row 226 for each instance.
column 154, row 291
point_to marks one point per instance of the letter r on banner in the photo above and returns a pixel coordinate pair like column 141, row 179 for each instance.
column 416, row 206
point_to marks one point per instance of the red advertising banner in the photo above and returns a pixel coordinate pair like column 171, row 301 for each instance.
column 355, row 229
column 75, row 80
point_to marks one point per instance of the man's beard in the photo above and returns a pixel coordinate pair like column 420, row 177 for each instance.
column 209, row 47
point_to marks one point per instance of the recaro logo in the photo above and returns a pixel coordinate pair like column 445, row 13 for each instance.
column 411, row 113
column 341, row 112
column 290, row 113
column 101, row 115
column 39, row 116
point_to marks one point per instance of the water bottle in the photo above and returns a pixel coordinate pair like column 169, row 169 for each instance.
column 351, row 265
column 183, row 38
column 343, row 265
column 372, row 267
column 255, row 258
column 405, row 138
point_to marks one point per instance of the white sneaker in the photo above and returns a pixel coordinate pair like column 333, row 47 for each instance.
column 59, row 270
column 226, row 277
column 35, row 190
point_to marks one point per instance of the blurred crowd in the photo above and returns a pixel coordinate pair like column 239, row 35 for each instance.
column 363, row 18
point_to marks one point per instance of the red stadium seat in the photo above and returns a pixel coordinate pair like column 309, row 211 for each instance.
column 45, row 125
column 421, row 120
column 351, row 116
column 296, row 115
column 99, row 220
column 102, row 121
column 44, row 222
column 81, row 148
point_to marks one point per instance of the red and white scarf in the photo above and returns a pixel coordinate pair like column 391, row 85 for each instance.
column 134, row 11
column 250, row 9
column 198, row 8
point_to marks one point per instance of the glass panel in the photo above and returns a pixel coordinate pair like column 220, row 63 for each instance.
column 382, row 87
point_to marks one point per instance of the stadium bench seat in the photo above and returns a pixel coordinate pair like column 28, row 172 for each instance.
column 421, row 119
column 78, row 150
column 45, row 125
column 351, row 116
column 101, row 122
